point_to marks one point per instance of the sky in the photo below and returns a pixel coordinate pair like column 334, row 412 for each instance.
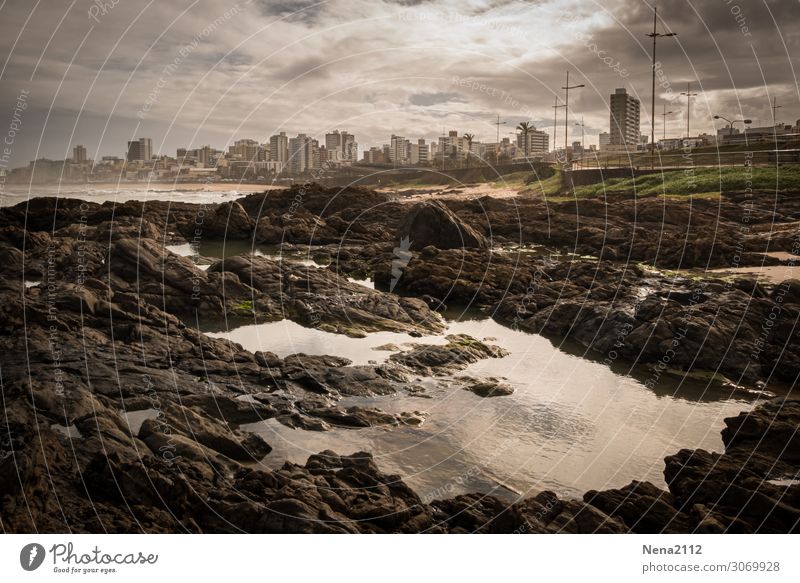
column 195, row 72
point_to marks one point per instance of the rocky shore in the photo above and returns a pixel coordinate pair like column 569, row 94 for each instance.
column 121, row 416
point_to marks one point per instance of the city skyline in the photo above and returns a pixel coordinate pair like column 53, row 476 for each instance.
column 213, row 73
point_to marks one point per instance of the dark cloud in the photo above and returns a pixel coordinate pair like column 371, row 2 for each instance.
column 378, row 67
column 435, row 98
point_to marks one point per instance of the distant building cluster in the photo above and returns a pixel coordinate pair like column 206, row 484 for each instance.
column 245, row 159
column 284, row 157
column 624, row 131
column 457, row 150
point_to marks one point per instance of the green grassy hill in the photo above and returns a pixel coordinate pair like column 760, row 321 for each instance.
column 700, row 181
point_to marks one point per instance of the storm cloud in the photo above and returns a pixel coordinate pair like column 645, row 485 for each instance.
column 208, row 72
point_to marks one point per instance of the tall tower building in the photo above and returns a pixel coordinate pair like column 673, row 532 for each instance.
column 140, row 150
column 301, row 154
column 538, row 142
column 624, row 121
column 279, row 148
column 79, row 154
column 204, row 156
column 341, row 146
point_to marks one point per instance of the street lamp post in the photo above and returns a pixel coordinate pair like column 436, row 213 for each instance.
column 688, row 93
column 555, row 125
column 654, row 35
column 733, row 121
column 583, row 143
column 567, row 87
column 664, row 118
column 498, row 123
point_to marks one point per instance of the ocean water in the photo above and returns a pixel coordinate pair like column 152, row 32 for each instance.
column 100, row 193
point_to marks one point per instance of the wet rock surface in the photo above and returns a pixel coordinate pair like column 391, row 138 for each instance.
column 739, row 328
column 104, row 344
column 432, row 223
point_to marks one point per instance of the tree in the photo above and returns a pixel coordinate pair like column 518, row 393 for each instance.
column 524, row 127
column 469, row 138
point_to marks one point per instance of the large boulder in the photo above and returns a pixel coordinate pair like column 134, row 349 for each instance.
column 432, row 223
column 229, row 220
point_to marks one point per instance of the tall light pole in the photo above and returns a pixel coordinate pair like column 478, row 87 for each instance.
column 498, row 123
column 582, row 136
column 555, row 123
column 664, row 118
column 654, row 35
column 733, row 121
column 688, row 93
column 775, row 108
column 567, row 87
column 583, row 142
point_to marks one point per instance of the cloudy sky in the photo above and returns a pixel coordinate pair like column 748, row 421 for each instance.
column 189, row 73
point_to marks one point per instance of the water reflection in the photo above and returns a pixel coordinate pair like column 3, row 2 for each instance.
column 223, row 248
column 571, row 425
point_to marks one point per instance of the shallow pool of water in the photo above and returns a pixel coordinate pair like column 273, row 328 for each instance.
column 769, row 273
column 571, row 425
column 222, row 249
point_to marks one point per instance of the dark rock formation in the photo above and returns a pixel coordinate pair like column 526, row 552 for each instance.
column 120, row 418
column 432, row 223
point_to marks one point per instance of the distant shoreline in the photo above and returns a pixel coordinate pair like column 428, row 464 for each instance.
column 142, row 185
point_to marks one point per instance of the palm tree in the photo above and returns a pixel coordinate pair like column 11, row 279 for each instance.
column 524, row 127
column 469, row 138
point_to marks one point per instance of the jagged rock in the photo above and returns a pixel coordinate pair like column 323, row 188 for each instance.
column 432, row 223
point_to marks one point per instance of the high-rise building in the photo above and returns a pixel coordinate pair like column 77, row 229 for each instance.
column 140, row 150
column 538, row 143
column 604, row 140
column 341, row 146
column 246, row 150
column 79, row 154
column 419, row 153
column 204, row 156
column 279, row 148
column 399, row 150
column 374, row 155
column 624, row 120
column 301, row 154
column 453, row 146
